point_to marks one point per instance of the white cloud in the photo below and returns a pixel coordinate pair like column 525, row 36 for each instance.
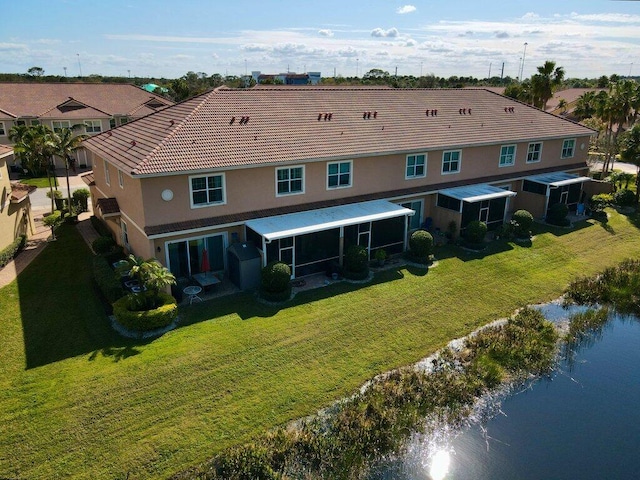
column 325, row 32
column 406, row 9
column 380, row 32
column 530, row 16
column 502, row 34
column 411, row 43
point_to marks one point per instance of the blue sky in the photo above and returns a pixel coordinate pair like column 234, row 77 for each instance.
column 169, row 38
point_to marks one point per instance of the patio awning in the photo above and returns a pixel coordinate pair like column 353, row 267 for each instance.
column 557, row 179
column 477, row 193
column 283, row 226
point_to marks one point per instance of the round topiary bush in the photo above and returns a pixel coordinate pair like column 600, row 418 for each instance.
column 420, row 244
column 356, row 263
column 624, row 198
column 597, row 203
column 558, row 215
column 276, row 282
column 144, row 320
column 522, row 221
column 475, row 232
column 102, row 245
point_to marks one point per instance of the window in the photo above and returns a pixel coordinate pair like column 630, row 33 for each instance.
column 93, row 126
column 35, row 123
column 534, row 152
column 112, row 123
column 339, row 174
column 120, row 179
column 125, row 234
column 451, row 161
column 124, row 120
column 507, row 155
column 2, row 130
column 107, row 177
column 208, row 190
column 58, row 125
column 21, row 122
column 568, row 147
column 289, row 181
column 416, row 166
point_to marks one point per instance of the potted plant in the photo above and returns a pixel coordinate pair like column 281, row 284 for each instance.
column 381, row 256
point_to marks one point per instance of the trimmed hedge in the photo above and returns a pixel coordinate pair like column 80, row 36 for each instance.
column 356, row 263
column 421, row 244
column 107, row 280
column 103, row 244
column 475, row 232
column 9, row 252
column 100, row 227
column 145, row 320
column 521, row 221
column 624, row 198
column 275, row 283
column 558, row 215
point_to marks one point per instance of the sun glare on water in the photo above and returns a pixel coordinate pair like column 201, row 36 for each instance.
column 439, row 465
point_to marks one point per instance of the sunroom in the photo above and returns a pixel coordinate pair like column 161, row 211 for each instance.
column 483, row 202
column 556, row 187
column 310, row 241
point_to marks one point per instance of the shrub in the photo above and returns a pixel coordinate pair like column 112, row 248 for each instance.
column 80, row 197
column 558, row 215
column 276, row 282
column 100, row 227
column 421, row 244
column 144, row 320
column 597, row 203
column 9, row 252
column 356, row 263
column 103, row 245
column 522, row 221
column 114, row 255
column 624, row 198
column 56, row 194
column 107, row 280
column 475, row 232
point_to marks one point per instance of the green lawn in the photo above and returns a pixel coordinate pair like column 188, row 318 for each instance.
column 40, row 182
column 77, row 401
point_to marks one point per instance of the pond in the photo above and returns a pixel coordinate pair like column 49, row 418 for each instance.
column 583, row 422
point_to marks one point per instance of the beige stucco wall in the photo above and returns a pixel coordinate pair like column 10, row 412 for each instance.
column 15, row 218
column 531, row 202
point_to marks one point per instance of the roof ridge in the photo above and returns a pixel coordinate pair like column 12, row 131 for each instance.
column 72, row 99
column 177, row 127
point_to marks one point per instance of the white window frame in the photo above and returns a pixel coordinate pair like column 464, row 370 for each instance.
column 91, row 125
column 58, row 125
column 124, row 231
column 208, row 204
column 350, row 163
column 451, row 172
column 564, row 147
column 3, row 131
column 529, row 152
column 415, row 156
column 286, row 194
column 505, row 155
column 120, row 179
column 107, row 175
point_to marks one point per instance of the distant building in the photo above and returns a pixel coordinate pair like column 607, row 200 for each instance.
column 289, row 78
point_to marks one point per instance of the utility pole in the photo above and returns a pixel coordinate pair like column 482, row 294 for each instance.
column 524, row 54
column 489, row 77
column 65, row 72
column 79, row 66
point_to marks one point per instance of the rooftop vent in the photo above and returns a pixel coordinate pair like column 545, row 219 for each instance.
column 233, row 119
column 509, row 109
column 433, row 113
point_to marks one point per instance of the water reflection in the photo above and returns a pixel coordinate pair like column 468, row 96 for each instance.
column 439, row 465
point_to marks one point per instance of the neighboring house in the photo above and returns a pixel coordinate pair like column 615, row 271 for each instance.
column 289, row 78
column 302, row 173
column 570, row 96
column 97, row 107
column 15, row 204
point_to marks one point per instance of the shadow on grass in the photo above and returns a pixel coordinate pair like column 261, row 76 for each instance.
column 466, row 254
column 560, row 231
column 61, row 315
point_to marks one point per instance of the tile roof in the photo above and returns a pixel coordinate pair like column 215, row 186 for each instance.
column 5, row 150
column 20, row 191
column 88, row 178
column 570, row 95
column 108, row 206
column 48, row 100
column 198, row 223
column 227, row 128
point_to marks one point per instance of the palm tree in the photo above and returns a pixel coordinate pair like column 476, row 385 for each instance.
column 630, row 153
column 585, row 106
column 152, row 275
column 544, row 82
column 618, row 111
column 562, row 105
column 65, row 145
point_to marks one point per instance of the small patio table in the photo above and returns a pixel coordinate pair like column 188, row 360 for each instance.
column 193, row 292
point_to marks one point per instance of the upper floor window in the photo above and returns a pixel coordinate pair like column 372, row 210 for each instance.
column 534, row 152
column 568, row 148
column 207, row 190
column 93, row 126
column 112, row 123
column 125, row 234
column 451, row 161
column 21, row 122
column 416, row 166
column 2, row 130
column 507, row 155
column 289, row 180
column 339, row 174
column 107, row 176
column 120, row 179
column 58, row 125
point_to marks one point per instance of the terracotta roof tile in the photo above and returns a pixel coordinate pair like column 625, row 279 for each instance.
column 88, row 178
column 5, row 150
column 20, row 191
column 244, row 216
column 103, row 99
column 108, row 206
column 227, row 127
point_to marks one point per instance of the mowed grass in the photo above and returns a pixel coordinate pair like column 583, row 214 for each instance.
column 77, row 401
